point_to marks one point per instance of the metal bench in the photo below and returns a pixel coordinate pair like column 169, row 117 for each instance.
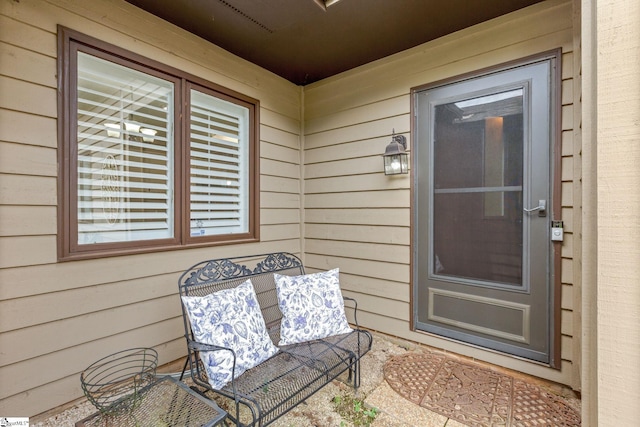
column 266, row 392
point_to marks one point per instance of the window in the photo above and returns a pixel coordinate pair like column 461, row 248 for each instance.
column 151, row 157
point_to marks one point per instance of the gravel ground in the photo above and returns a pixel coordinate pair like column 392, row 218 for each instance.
column 318, row 411
column 68, row 417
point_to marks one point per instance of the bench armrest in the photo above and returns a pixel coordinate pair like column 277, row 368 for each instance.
column 198, row 346
column 352, row 304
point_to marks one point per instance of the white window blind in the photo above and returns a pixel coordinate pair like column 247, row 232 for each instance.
column 125, row 153
column 219, row 147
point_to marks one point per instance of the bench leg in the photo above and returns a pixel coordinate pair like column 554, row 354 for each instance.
column 184, row 368
column 356, row 375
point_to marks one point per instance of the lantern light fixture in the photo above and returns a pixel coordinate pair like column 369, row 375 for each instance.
column 395, row 156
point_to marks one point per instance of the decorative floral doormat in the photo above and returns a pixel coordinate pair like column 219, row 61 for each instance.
column 474, row 395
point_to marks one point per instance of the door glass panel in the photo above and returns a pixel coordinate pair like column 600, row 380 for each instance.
column 477, row 192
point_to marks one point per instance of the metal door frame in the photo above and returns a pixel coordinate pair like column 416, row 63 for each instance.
column 555, row 157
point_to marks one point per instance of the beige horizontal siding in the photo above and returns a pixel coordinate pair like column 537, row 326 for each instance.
column 69, row 361
column 123, row 315
column 378, row 252
column 363, row 199
column 358, row 219
column 361, row 267
column 379, row 216
column 358, row 233
column 354, row 183
column 279, row 169
column 361, row 113
column 27, row 65
column 279, row 184
column 28, row 129
column 358, row 132
column 27, row 220
column 354, row 217
column 279, row 216
column 27, row 190
column 19, row 33
column 57, row 318
column 279, row 152
column 19, row 95
column 22, row 159
column 354, row 166
column 384, row 289
column 27, row 251
column 82, row 301
column 570, row 251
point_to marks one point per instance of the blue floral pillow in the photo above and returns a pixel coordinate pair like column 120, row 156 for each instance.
column 312, row 307
column 229, row 318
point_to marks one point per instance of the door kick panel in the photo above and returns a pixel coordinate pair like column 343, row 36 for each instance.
column 489, row 316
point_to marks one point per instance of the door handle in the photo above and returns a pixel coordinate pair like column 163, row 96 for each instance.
column 541, row 208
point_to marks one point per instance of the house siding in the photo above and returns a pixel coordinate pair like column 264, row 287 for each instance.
column 615, row 81
column 359, row 219
column 341, row 211
column 57, row 318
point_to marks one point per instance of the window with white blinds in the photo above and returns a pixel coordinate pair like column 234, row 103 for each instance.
column 219, row 154
column 151, row 157
column 125, row 154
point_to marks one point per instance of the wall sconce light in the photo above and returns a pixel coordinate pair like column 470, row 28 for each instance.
column 395, row 156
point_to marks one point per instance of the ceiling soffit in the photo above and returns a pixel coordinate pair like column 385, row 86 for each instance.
column 304, row 42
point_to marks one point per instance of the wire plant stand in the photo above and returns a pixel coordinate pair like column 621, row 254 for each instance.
column 113, row 384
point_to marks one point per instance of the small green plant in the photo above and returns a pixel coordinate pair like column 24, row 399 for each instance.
column 354, row 410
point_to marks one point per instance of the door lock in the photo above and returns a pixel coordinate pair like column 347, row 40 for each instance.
column 541, row 208
column 557, row 231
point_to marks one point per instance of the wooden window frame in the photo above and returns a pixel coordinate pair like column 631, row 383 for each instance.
column 69, row 43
